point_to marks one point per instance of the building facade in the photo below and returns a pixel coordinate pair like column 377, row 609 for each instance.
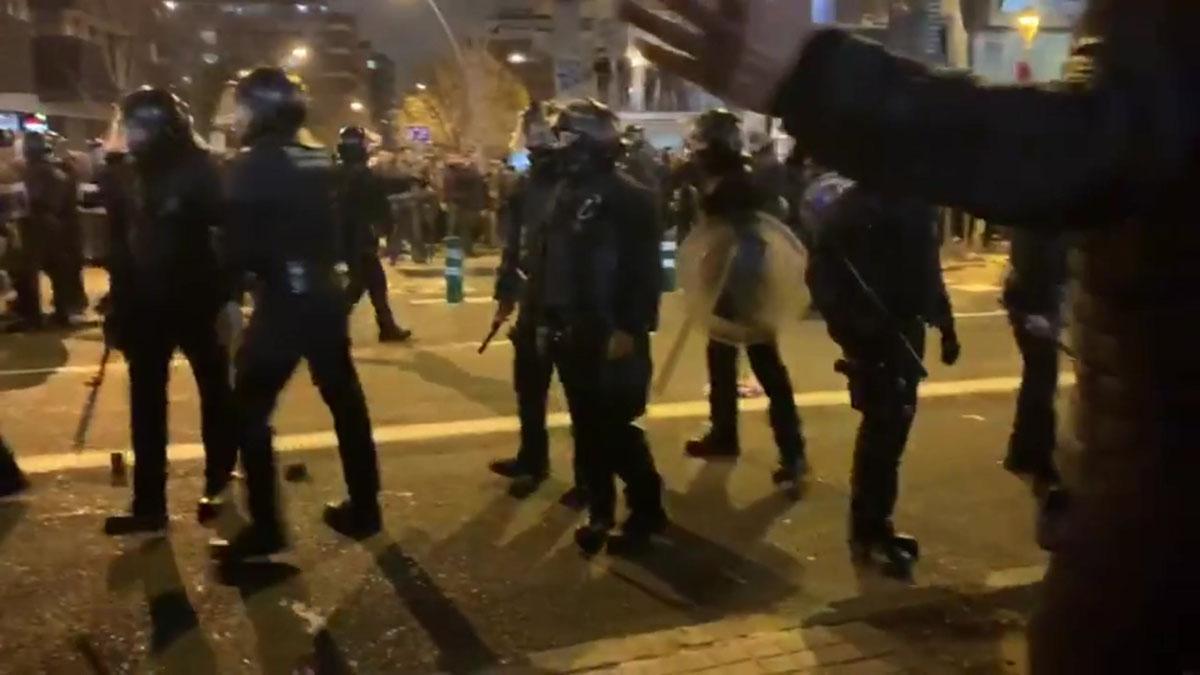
column 213, row 42
column 572, row 48
column 67, row 62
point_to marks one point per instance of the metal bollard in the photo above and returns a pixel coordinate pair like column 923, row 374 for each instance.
column 454, row 270
column 670, row 280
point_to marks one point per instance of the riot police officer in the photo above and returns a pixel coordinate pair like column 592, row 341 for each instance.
column 168, row 291
column 731, row 200
column 640, row 161
column 365, row 214
column 876, row 278
column 593, row 297
column 283, row 229
column 44, row 231
column 526, row 215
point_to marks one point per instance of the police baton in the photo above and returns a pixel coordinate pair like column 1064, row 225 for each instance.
column 89, row 406
column 881, row 308
column 487, row 341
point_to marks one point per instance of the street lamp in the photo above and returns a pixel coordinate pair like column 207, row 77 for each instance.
column 469, row 79
column 421, row 86
column 517, row 58
column 357, row 106
column 1028, row 24
column 300, row 54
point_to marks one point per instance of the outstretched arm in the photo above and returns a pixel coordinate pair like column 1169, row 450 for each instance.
column 1089, row 153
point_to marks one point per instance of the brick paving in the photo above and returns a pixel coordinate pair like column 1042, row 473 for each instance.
column 751, row 645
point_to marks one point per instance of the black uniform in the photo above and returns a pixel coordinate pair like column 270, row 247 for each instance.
column 1034, row 293
column 365, row 213
column 527, row 213
column 44, row 233
column 167, row 291
column 283, row 229
column 596, row 272
column 876, row 278
column 735, row 204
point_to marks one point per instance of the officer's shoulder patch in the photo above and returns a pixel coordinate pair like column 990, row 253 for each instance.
column 306, row 157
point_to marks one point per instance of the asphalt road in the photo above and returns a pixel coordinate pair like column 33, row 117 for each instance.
column 468, row 577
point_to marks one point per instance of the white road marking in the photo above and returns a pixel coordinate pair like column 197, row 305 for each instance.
column 469, row 300
column 974, row 288
column 436, row 431
column 118, row 365
column 1015, row 577
column 981, row 315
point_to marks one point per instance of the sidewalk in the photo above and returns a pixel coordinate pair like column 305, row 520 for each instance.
column 742, row 646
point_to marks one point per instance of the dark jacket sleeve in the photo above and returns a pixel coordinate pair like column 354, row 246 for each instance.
column 1039, row 156
column 208, row 204
column 115, row 182
column 245, row 215
column 939, row 312
column 508, row 275
column 639, row 270
column 381, row 208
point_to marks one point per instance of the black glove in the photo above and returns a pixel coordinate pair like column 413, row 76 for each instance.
column 951, row 348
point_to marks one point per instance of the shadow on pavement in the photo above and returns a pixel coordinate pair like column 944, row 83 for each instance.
column 277, row 604
column 27, row 361
column 742, row 573
column 492, row 393
column 177, row 642
column 11, row 513
column 461, row 649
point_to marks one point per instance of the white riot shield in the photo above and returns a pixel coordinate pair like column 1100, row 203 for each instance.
column 741, row 285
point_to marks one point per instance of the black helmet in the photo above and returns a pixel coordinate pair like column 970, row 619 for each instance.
column 35, row 146
column 353, row 144
column 535, row 127
column 589, row 134
column 716, row 141
column 270, row 102
column 635, row 134
column 155, row 120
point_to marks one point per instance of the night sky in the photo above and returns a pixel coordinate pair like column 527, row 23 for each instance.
column 407, row 29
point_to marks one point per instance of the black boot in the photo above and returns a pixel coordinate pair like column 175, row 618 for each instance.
column 394, row 333
column 138, row 522
column 209, row 508
column 1053, row 502
column 514, row 468
column 894, row 554
column 255, row 541
column 791, row 477
column 592, row 537
column 710, row 446
column 26, row 325
column 353, row 519
column 575, row 499
column 525, row 481
column 638, row 531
